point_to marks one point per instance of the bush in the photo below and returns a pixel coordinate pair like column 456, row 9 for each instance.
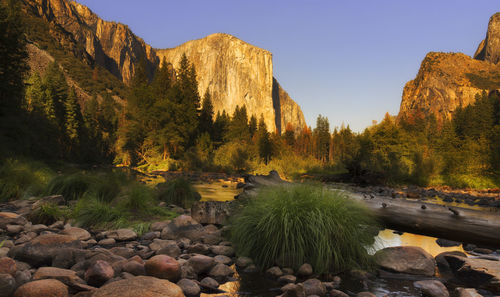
column 178, row 191
column 47, row 213
column 297, row 224
column 21, row 179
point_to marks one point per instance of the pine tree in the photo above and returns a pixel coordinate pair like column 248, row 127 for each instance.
column 238, row 128
column 252, row 126
column 73, row 117
column 206, row 116
column 263, row 141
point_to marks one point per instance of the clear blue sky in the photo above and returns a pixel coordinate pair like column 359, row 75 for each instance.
column 347, row 60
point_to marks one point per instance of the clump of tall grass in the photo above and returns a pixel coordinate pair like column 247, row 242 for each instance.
column 90, row 212
column 23, row 178
column 297, row 224
column 47, row 213
column 179, row 192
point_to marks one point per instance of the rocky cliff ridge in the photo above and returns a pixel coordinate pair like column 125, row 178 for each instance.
column 233, row 71
column 446, row 81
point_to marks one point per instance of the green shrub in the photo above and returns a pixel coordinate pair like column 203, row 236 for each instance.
column 178, row 191
column 297, row 224
column 21, row 179
column 71, row 186
column 47, row 213
column 90, row 211
column 137, row 198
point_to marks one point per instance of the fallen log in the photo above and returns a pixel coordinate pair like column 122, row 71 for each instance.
column 454, row 223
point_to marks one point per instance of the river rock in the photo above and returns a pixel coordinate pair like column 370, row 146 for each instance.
column 99, row 273
column 365, row 294
column 7, row 284
column 337, row 293
column 220, row 272
column 134, row 267
column 187, row 271
column 223, row 259
column 14, row 229
column 8, row 265
column 243, row 262
column 212, row 212
column 4, row 251
column 287, row 279
column 76, row 233
column 198, row 248
column 222, row 250
column 189, row 287
column 10, row 218
column 209, row 282
column 477, row 273
column 183, row 226
column 41, row 250
column 469, row 292
column 144, row 286
column 314, row 287
column 274, row 272
column 293, row 290
column 66, row 276
column 42, row 288
column 171, row 250
column 305, row 270
column 442, row 264
column 201, row 263
column 406, row 259
column 121, row 234
column 22, row 277
column 164, row 267
column 432, row 288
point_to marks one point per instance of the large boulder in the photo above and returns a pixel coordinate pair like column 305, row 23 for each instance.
column 42, row 288
column 183, row 226
column 164, row 267
column 144, row 286
column 432, row 288
column 406, row 259
column 477, row 273
column 41, row 250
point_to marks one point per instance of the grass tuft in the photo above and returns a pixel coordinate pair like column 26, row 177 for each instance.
column 47, row 213
column 22, row 179
column 295, row 224
column 178, row 191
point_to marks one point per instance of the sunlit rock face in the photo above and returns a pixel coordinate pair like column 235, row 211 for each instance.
column 489, row 48
column 447, row 81
column 234, row 72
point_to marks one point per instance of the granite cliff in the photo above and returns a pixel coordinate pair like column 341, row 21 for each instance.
column 446, row 81
column 233, row 71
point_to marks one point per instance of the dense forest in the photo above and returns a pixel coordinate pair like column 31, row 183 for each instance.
column 165, row 124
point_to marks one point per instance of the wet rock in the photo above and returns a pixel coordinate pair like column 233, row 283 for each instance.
column 144, row 286
column 293, row 290
column 201, row 263
column 274, row 272
column 432, row 288
column 477, row 273
column 469, row 292
column 305, row 270
column 469, row 247
column 287, row 279
column 243, row 262
column 483, row 251
column 7, row 284
column 220, row 272
column 442, row 264
column 406, row 259
column 189, row 287
column 76, row 233
column 314, row 287
column 8, row 266
column 42, row 288
column 121, row 234
column 447, row 243
column 209, row 282
column 251, row 269
column 164, row 267
column 99, row 273
column 222, row 250
column 337, row 293
column 365, row 294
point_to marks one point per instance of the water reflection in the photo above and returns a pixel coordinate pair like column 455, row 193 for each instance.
column 387, row 238
column 217, row 191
